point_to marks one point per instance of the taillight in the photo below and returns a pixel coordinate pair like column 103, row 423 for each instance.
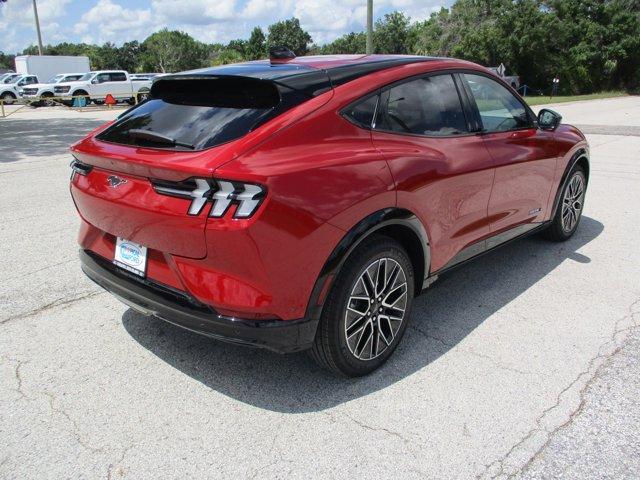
column 220, row 193
column 78, row 167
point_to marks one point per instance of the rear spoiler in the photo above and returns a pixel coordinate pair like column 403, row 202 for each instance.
column 311, row 83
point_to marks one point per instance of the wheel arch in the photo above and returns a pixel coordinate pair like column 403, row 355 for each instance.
column 401, row 225
column 581, row 158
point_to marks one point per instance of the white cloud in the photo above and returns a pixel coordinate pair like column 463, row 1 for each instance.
column 16, row 22
column 20, row 12
column 193, row 12
column 265, row 9
column 326, row 19
column 206, row 20
column 108, row 21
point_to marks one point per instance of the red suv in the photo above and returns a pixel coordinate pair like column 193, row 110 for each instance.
column 302, row 203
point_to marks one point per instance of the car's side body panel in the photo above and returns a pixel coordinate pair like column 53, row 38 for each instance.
column 525, row 162
column 446, row 182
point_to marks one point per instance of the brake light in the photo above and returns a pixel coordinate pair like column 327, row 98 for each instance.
column 220, row 193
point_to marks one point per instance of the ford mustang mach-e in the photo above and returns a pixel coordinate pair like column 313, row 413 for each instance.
column 302, row 203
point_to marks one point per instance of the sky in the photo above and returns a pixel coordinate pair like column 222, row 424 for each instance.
column 118, row 21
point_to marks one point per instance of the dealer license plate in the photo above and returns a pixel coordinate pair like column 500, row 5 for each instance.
column 131, row 256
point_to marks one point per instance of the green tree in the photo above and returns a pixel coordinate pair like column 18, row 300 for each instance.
column 392, row 34
column 354, row 42
column 288, row 33
column 106, row 57
column 599, row 43
column 7, row 61
column 128, row 57
column 172, row 51
column 239, row 46
column 226, row 56
column 257, row 45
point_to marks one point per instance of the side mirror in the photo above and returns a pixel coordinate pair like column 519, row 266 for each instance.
column 548, row 119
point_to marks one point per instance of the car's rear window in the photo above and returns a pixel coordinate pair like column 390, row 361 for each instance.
column 196, row 113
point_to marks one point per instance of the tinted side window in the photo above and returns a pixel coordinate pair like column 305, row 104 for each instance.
column 103, row 77
column 117, row 77
column 426, row 106
column 361, row 113
column 499, row 109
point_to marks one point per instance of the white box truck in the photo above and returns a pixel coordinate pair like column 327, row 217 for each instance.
column 46, row 67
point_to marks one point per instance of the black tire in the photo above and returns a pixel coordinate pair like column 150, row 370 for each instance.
column 8, row 98
column 331, row 349
column 558, row 230
column 47, row 99
column 143, row 95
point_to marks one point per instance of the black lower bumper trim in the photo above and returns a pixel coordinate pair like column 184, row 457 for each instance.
column 179, row 308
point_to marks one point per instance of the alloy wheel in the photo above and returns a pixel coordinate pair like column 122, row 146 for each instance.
column 572, row 202
column 376, row 309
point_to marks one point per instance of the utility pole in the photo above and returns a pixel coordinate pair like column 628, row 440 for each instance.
column 35, row 13
column 369, row 27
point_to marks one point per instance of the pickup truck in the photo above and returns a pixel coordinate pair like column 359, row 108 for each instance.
column 41, row 93
column 6, row 77
column 513, row 80
column 11, row 90
column 95, row 86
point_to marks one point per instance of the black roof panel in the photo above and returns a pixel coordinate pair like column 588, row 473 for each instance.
column 303, row 77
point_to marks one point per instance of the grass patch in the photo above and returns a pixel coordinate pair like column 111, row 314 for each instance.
column 544, row 99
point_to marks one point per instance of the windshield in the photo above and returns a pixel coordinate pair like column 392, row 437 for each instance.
column 11, row 78
column 85, row 77
column 55, row 79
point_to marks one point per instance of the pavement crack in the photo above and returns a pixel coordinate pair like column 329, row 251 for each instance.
column 119, row 460
column 606, row 352
column 489, row 358
column 431, row 337
column 59, row 302
column 17, row 374
column 40, row 269
column 392, row 433
column 76, row 429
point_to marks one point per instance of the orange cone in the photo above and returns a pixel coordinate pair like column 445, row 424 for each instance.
column 109, row 100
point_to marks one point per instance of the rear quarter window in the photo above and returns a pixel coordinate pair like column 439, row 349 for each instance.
column 362, row 112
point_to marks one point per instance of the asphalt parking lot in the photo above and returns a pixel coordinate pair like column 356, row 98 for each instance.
column 524, row 363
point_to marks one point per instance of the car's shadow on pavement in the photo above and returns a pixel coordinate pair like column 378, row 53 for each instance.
column 442, row 317
column 41, row 137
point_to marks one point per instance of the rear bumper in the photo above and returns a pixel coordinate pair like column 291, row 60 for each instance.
column 150, row 298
